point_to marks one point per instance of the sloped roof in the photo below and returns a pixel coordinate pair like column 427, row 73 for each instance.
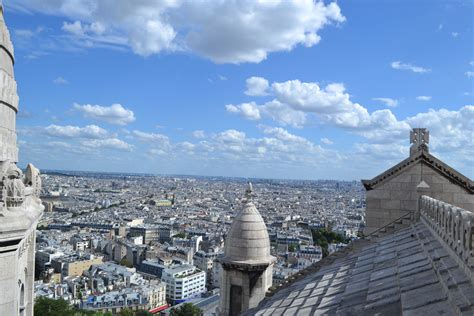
column 429, row 160
column 406, row 273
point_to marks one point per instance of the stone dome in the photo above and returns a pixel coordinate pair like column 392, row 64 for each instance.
column 247, row 241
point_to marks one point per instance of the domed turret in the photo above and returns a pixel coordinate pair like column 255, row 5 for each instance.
column 247, row 263
column 247, row 241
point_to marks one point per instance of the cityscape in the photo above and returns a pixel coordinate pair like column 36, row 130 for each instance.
column 221, row 158
column 158, row 225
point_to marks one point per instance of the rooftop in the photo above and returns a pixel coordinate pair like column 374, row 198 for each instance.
column 413, row 271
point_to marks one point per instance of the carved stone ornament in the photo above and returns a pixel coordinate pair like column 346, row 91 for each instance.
column 16, row 186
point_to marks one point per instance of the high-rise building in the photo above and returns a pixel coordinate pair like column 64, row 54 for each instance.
column 247, row 263
column 20, row 206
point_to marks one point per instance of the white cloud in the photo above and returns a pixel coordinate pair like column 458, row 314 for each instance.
column 249, row 111
column 256, row 86
column 151, row 137
column 332, row 105
column 283, row 114
column 74, row 28
column 455, row 34
column 110, row 143
column 69, row 131
column 405, row 66
column 284, row 135
column 114, row 114
column 24, row 33
column 450, row 130
column 231, row 136
column 471, row 63
column 186, row 146
column 60, row 80
column 225, row 31
column 387, row 101
column 423, row 98
column 470, row 74
column 199, row 134
column 326, row 141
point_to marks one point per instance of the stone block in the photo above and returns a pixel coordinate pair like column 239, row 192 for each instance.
column 399, row 194
column 372, row 203
column 390, row 204
column 451, row 188
column 379, row 194
column 436, row 187
column 8, row 296
column 416, row 178
column 408, row 205
column 423, row 296
column 436, row 178
column 439, row 308
column 404, row 177
column 462, row 198
column 445, row 197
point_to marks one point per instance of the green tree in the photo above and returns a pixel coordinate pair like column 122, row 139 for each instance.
column 291, row 248
column 50, row 307
column 180, row 235
column 323, row 237
column 126, row 312
column 125, row 262
column 142, row 312
column 187, row 309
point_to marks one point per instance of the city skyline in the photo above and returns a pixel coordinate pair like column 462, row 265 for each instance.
column 254, row 97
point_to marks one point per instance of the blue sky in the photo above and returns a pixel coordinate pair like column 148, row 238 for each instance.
column 287, row 89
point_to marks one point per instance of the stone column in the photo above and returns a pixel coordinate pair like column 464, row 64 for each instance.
column 421, row 189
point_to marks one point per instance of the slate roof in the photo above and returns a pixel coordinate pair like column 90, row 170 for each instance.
column 405, row 273
column 430, row 161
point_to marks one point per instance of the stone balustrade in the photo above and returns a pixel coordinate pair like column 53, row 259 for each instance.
column 454, row 225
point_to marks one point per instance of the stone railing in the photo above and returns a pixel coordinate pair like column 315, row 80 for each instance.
column 454, row 225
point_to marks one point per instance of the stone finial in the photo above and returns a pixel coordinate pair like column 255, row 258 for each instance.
column 249, row 192
column 419, row 138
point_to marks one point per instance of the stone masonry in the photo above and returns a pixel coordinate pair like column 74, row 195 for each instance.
column 20, row 206
column 393, row 193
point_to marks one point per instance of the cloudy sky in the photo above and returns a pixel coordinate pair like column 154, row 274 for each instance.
column 281, row 89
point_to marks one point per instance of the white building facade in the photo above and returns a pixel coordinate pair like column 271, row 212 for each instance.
column 183, row 282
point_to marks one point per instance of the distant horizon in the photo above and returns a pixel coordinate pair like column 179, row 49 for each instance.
column 58, row 171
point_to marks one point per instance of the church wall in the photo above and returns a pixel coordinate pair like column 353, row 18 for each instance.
column 17, row 270
column 8, row 283
column 398, row 195
column 6, row 62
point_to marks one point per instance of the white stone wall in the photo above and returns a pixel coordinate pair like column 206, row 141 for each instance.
column 395, row 197
column 251, row 297
column 18, row 220
column 17, row 271
column 8, row 95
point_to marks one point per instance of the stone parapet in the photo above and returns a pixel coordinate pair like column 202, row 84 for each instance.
column 453, row 225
